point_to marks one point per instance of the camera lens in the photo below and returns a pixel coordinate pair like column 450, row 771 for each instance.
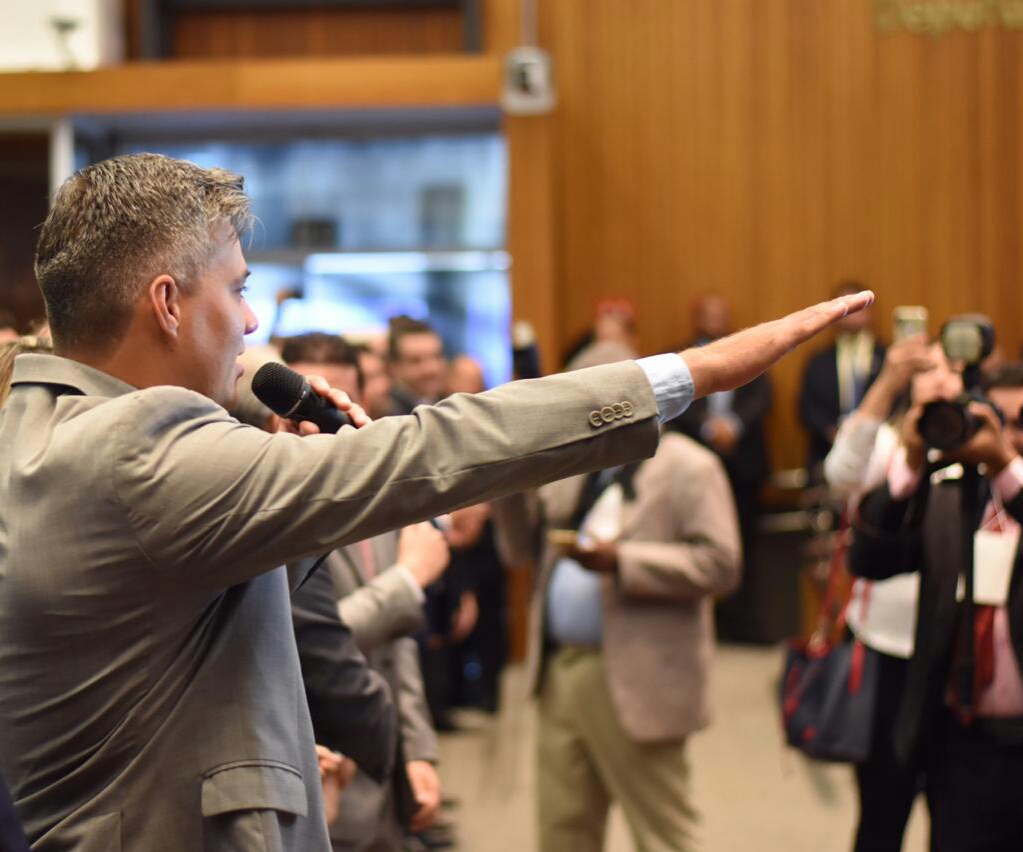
column 945, row 425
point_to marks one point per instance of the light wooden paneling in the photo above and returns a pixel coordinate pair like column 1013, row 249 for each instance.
column 460, row 80
column 766, row 149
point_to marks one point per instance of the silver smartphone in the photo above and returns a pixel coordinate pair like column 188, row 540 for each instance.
column 907, row 321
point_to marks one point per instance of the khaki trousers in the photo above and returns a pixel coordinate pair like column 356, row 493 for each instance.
column 586, row 761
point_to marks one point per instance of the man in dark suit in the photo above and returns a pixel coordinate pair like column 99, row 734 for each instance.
column 836, row 378
column 962, row 709
column 731, row 423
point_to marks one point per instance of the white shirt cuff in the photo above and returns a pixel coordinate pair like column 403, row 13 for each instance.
column 672, row 383
column 417, row 590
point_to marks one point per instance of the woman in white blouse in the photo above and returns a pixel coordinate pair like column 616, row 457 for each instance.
column 883, row 615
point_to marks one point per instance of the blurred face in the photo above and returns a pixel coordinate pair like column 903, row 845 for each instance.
column 465, row 376
column 1009, row 401
column 420, row 365
column 940, row 382
column 343, row 377
column 214, row 321
column 376, row 384
column 857, row 322
column 713, row 318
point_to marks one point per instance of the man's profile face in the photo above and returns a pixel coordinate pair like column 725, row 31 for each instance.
column 420, row 365
column 215, row 320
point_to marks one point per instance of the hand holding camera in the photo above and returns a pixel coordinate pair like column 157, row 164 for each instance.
column 988, row 446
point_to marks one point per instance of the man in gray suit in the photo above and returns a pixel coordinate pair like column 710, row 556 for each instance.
column 150, row 696
column 379, row 584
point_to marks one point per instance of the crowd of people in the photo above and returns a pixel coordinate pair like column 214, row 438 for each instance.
column 208, row 606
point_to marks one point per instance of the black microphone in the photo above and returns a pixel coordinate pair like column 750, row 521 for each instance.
column 288, row 394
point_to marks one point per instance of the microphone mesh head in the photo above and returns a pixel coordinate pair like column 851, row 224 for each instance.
column 278, row 387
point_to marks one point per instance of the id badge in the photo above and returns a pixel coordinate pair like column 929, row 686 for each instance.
column 994, row 556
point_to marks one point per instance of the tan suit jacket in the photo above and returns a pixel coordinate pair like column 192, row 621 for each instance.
column 150, row 696
column 679, row 547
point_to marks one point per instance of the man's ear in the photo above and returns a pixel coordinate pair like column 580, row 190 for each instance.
column 165, row 300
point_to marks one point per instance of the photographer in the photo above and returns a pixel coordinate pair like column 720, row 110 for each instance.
column 965, row 733
column 882, row 615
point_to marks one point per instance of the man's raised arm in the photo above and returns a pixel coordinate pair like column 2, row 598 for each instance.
column 739, row 358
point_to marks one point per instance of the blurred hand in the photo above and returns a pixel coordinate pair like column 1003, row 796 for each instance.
column 467, row 525
column 722, row 434
column 336, row 773
column 903, row 360
column 466, row 616
column 916, row 449
column 341, row 401
column 601, row 557
column 739, row 358
column 426, row 787
column 989, row 446
column 423, row 550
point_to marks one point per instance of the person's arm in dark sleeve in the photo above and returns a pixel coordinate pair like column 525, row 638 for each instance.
column 814, row 412
column 753, row 406
column 887, row 536
column 350, row 704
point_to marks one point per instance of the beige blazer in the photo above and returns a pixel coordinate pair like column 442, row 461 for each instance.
column 150, row 695
column 679, row 548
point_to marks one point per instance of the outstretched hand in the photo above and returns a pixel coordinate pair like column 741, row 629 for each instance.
column 736, row 360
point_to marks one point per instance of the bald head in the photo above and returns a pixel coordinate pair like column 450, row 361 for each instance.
column 465, row 375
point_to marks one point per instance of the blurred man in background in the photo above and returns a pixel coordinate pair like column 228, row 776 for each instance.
column 731, row 423
column 632, row 560
column 417, row 365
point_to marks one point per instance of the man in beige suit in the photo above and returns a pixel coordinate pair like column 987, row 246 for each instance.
column 621, row 634
column 150, row 696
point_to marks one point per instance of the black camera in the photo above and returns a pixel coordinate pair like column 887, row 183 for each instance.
column 947, row 424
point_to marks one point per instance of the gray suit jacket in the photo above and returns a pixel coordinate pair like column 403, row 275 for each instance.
column 382, row 612
column 150, row 696
column 679, row 547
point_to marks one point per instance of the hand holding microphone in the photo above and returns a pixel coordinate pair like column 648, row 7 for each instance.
column 311, row 403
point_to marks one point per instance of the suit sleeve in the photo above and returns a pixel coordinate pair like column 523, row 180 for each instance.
column 705, row 556
column 382, row 610
column 815, row 412
column 753, row 405
column 887, row 534
column 418, row 738
column 350, row 704
column 224, row 502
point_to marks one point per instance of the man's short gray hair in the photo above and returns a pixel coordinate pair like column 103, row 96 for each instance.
column 120, row 223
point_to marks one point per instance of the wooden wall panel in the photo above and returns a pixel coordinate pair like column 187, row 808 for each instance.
column 767, row 149
column 322, row 32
